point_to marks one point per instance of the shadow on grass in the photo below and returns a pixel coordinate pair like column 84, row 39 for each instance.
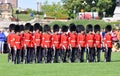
column 115, row 61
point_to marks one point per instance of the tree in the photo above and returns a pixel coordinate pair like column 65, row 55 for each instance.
column 99, row 6
column 54, row 10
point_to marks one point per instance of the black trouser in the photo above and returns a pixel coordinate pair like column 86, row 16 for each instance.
column 11, row 54
column 66, row 55
column 39, row 54
column 22, row 54
column 31, row 54
column 80, row 54
column 56, row 55
column 108, row 54
column 18, row 54
column 98, row 54
column 90, row 54
column 28, row 54
column 63, row 55
column 47, row 55
column 73, row 54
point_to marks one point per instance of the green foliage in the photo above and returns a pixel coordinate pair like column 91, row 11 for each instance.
column 58, row 22
column 62, row 69
column 83, row 22
column 99, row 6
column 55, row 10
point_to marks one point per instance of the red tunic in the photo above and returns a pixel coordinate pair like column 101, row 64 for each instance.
column 108, row 40
column 11, row 39
column 90, row 40
column 72, row 39
column 18, row 40
column 56, row 40
column 98, row 40
column 27, row 38
column 81, row 40
column 46, row 40
column 64, row 41
column 32, row 41
column 37, row 39
column 22, row 40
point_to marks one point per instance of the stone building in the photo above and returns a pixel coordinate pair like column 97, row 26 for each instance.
column 13, row 2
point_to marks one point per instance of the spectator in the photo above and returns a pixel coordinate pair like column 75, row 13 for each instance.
column 114, row 36
column 114, row 39
column 2, row 41
column 118, row 36
column 102, row 35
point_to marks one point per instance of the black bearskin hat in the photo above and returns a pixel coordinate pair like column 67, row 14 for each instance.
column 27, row 26
column 46, row 28
column 64, row 28
column 31, row 28
column 96, row 28
column 72, row 27
column 108, row 28
column 17, row 28
column 56, row 28
column 36, row 26
column 11, row 27
column 80, row 28
column 89, row 28
column 21, row 27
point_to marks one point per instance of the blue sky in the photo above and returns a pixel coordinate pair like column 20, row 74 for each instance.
column 32, row 3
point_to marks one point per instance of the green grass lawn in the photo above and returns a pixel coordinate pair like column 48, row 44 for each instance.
column 26, row 17
column 62, row 69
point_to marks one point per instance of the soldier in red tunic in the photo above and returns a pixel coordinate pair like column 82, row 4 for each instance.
column 80, row 42
column 64, row 43
column 17, row 46
column 98, row 42
column 72, row 42
column 90, row 43
column 108, row 43
column 55, row 43
column 37, row 42
column 10, row 41
column 31, row 45
column 27, row 44
column 22, row 42
column 46, row 44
